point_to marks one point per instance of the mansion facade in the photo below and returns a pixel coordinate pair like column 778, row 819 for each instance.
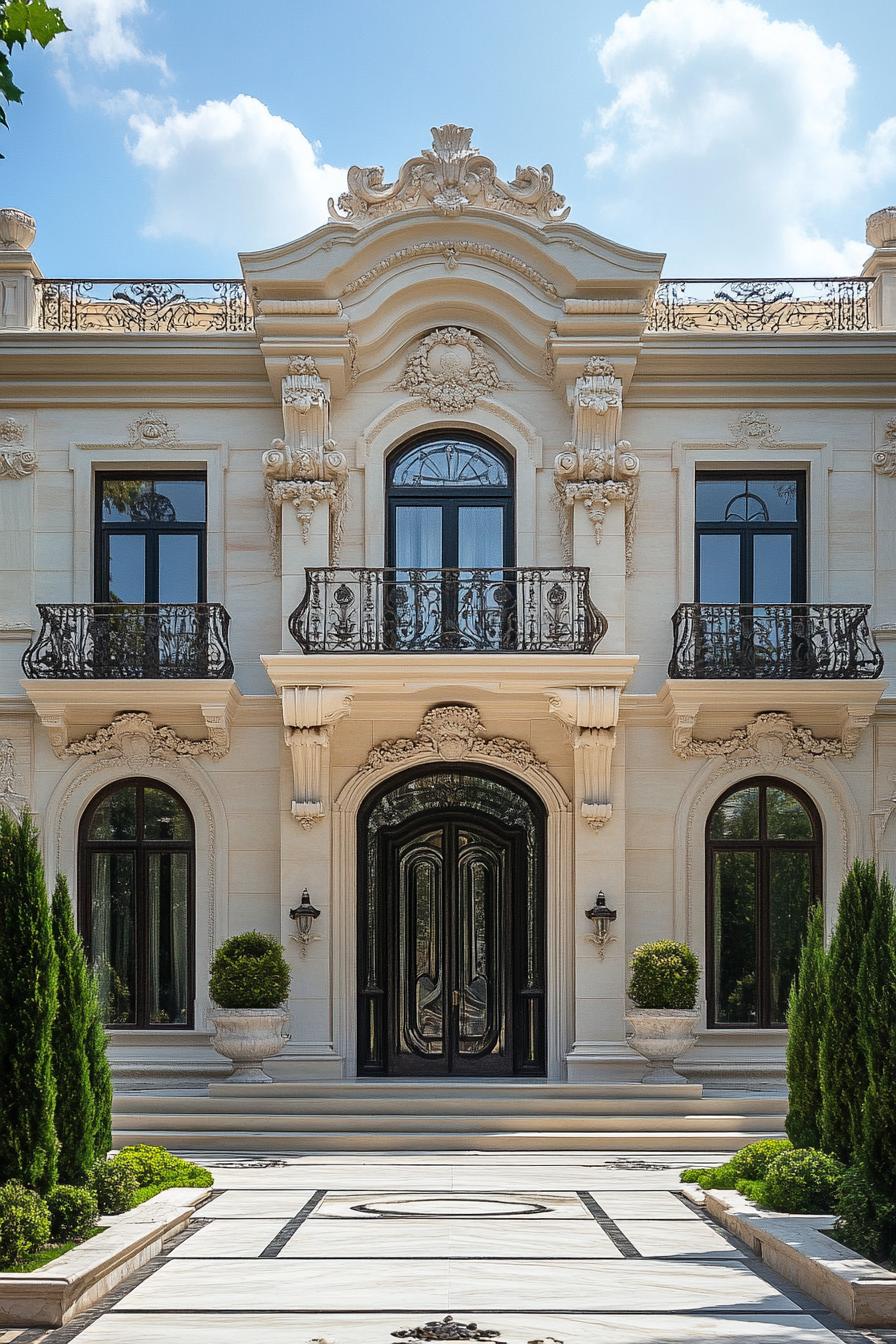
column 460, row 575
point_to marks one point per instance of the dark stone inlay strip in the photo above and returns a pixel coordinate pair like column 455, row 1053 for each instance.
column 273, row 1248
column 605, row 1222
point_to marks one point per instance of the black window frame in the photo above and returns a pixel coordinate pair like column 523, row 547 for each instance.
column 451, row 496
column 141, row 848
column 104, row 529
column 748, row 531
column 762, row 847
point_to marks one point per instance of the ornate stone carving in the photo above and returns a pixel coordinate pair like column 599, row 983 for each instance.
column 450, row 370
column 596, row 466
column 455, row 733
column 451, row 254
column 152, row 430
column 17, row 463
column 591, row 714
column 305, row 467
column 771, row 739
column 17, row 230
column 134, row 737
column 884, row 460
column 753, row 429
column 880, row 227
column 16, row 804
column 309, row 713
column 449, row 178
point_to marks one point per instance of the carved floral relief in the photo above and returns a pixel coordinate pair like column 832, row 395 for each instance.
column 450, row 370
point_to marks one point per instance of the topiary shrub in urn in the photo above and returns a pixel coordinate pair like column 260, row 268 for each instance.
column 663, row 989
column 249, row 985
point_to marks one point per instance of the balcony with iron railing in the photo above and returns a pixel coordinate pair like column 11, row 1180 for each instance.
column 512, row 610
column 111, row 640
column 789, row 641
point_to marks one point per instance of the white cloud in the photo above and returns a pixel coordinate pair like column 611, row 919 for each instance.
column 103, row 31
column 231, row 175
column 736, row 125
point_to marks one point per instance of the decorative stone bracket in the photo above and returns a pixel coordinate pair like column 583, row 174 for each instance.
column 591, row 714
column 134, row 737
column 309, row 713
column 305, row 468
column 596, row 466
column 884, row 459
column 16, row 462
column 770, row 739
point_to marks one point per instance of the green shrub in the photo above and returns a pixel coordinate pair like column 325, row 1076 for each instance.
column 664, row 975
column 747, row 1164
column 866, row 1216
column 28, row 985
column 24, row 1222
column 249, row 971
column 843, row 1066
column 100, row 1074
column 114, row 1185
column 155, row 1166
column 754, row 1190
column 75, row 1107
column 803, row 1180
column 73, row 1212
column 806, row 1012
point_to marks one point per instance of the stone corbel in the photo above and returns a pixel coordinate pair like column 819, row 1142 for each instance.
column 591, row 714
column 309, row 713
column 216, row 718
column 596, row 466
column 53, row 719
column 305, row 468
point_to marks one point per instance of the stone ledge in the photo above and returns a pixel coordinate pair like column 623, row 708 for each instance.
column 74, row 1282
column 796, row 1246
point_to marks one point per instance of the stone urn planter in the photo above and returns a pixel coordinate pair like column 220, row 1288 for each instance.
column 248, row 974
column 249, row 1036
column 662, row 1035
column 663, row 990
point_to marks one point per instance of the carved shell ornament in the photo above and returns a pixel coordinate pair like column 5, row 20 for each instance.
column 450, row 370
column 449, row 179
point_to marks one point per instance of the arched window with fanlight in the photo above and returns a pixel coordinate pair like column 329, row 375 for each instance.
column 136, row 881
column 763, row 874
column 450, row 544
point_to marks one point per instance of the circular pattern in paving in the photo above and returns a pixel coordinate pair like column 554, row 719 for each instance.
column 436, row 1206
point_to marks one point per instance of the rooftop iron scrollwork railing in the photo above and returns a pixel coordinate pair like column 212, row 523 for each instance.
column 117, row 640
column 143, row 305
column 447, row 610
column 768, row 641
column 774, row 305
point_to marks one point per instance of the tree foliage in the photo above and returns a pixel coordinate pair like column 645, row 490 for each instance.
column 843, row 1064
column 22, row 21
column 28, row 987
column 75, row 1108
column 806, row 1013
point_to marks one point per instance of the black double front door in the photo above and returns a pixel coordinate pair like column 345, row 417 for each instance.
column 449, row 890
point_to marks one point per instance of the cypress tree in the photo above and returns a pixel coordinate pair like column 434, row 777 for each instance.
column 28, row 974
column 99, row 1072
column 806, row 1013
column 843, row 1065
column 877, row 989
column 75, row 1109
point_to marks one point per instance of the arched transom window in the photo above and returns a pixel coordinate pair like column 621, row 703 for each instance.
column 763, row 873
column 136, row 859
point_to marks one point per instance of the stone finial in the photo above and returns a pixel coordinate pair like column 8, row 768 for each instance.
column 880, row 227
column 17, row 230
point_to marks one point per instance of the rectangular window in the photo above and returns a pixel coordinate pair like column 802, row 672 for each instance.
column 750, row 538
column 150, row 538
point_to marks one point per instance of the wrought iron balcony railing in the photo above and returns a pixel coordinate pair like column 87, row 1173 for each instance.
column 824, row 304
column 447, row 611
column 112, row 639
column 791, row 640
column 143, row 305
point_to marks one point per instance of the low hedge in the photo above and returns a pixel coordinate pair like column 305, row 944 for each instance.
column 747, row 1164
column 24, row 1223
column 73, row 1212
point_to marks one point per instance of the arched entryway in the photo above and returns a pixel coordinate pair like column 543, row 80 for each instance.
column 451, row 926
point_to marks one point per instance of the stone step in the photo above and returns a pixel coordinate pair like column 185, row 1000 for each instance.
column 515, row 1090
column 324, row 1141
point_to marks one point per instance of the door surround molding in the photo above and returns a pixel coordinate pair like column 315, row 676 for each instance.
column 559, row 912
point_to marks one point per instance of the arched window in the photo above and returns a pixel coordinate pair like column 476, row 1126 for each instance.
column 137, row 858
column 450, row 504
column 763, row 873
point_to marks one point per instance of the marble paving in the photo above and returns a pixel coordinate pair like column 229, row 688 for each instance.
column 537, row 1249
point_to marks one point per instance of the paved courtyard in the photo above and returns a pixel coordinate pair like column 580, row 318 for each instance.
column 557, row 1249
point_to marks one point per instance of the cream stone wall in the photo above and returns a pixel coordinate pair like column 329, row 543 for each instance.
column 555, row 307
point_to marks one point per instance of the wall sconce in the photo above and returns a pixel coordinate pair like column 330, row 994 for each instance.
column 303, row 915
column 601, row 917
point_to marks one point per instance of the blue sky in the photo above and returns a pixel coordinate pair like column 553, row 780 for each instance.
column 162, row 136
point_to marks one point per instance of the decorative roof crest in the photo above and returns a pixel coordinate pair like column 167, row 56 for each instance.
column 449, row 178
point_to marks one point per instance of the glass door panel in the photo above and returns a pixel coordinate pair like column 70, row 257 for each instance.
column 789, row 899
column 773, row 567
column 421, row 960
column 125, row 567
column 718, row 574
column 480, row 938
column 113, row 934
column 412, row 592
column 168, row 937
column 734, row 896
column 485, row 603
